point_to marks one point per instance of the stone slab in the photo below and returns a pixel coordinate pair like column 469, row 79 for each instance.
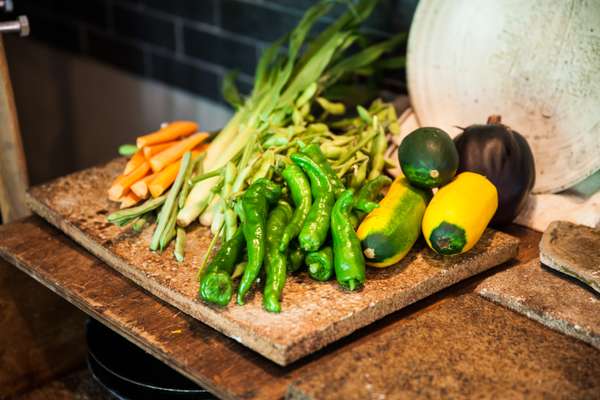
column 573, row 250
column 314, row 314
column 559, row 302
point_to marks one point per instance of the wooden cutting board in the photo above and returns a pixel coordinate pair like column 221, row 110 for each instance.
column 314, row 313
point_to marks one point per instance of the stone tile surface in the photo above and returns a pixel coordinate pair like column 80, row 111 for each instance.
column 461, row 347
column 555, row 300
column 573, row 250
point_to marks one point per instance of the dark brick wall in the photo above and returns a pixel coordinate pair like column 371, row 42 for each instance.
column 189, row 44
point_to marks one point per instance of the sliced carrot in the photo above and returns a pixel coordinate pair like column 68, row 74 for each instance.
column 135, row 161
column 175, row 152
column 173, row 131
column 165, row 178
column 124, row 182
column 149, row 151
column 128, row 200
column 140, row 188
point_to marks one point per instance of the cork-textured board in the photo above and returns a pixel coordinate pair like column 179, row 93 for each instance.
column 314, row 314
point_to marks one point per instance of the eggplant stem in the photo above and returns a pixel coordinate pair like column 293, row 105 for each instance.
column 494, row 120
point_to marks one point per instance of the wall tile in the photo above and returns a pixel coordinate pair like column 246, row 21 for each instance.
column 185, row 76
column 116, row 52
column 219, row 50
column 145, row 27
column 255, row 21
column 194, row 10
column 93, row 12
column 57, row 33
column 185, row 35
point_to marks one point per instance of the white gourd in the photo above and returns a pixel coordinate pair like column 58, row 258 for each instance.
column 534, row 62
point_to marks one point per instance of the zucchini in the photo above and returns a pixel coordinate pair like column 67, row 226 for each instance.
column 388, row 233
column 428, row 157
column 459, row 213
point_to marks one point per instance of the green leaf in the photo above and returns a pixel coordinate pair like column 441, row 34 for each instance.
column 351, row 18
column 127, row 150
column 363, row 58
column 230, row 91
column 392, row 63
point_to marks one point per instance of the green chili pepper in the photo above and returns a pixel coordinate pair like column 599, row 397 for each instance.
column 275, row 260
column 347, row 252
column 315, row 153
column 316, row 226
column 295, row 259
column 254, row 205
column 373, row 187
column 216, row 284
column 301, row 195
column 320, row 264
column 367, row 195
column 364, row 205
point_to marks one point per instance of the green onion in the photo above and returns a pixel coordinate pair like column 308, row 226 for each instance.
column 180, row 244
column 123, row 217
column 167, row 210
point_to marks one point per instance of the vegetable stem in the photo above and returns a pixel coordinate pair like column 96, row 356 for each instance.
column 163, row 218
column 122, row 217
column 180, row 244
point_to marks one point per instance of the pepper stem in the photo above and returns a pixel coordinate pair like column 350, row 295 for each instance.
column 494, row 120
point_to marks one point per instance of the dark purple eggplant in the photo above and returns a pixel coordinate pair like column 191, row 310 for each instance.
column 504, row 157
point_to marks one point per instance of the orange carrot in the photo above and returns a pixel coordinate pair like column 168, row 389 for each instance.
column 201, row 148
column 149, row 151
column 175, row 152
column 124, row 182
column 174, row 130
column 140, row 188
column 163, row 179
column 135, row 161
column 128, row 200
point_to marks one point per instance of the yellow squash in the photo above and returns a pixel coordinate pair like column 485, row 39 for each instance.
column 459, row 213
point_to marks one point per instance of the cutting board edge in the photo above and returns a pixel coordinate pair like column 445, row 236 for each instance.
column 267, row 349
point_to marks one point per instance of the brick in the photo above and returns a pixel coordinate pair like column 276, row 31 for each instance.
column 93, row 12
column 185, row 76
column 56, row 33
column 219, row 50
column 147, row 28
column 116, row 52
column 194, row 10
column 255, row 21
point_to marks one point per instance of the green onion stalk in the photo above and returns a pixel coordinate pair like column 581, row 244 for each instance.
column 276, row 119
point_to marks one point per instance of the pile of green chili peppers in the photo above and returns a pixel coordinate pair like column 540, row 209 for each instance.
column 304, row 214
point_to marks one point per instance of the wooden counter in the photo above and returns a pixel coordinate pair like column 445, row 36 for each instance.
column 452, row 344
